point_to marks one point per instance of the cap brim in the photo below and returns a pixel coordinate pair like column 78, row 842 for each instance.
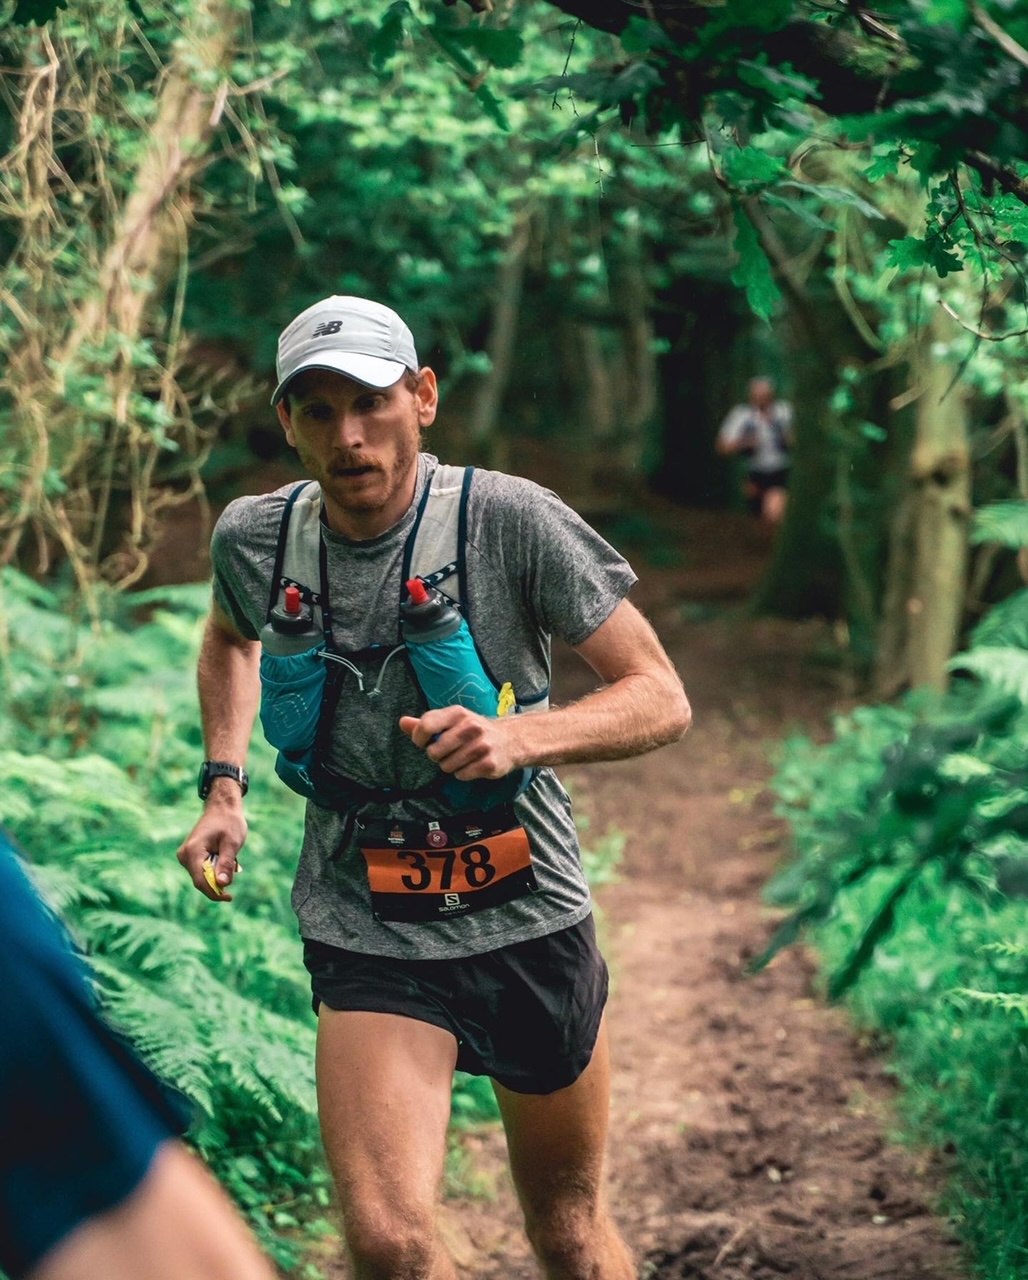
column 370, row 371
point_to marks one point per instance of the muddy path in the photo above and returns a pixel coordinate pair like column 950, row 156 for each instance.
column 750, row 1124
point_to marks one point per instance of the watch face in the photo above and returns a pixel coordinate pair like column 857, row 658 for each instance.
column 211, row 769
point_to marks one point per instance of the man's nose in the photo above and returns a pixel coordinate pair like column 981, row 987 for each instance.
column 349, row 430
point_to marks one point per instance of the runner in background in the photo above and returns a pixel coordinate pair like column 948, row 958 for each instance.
column 95, row 1183
column 760, row 431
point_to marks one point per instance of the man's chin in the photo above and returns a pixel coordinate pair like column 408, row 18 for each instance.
column 360, row 492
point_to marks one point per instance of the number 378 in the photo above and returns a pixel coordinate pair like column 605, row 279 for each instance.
column 473, row 863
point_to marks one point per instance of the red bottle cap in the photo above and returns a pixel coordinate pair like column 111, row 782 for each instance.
column 292, row 604
column 417, row 590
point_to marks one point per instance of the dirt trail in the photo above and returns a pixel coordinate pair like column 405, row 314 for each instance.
column 749, row 1124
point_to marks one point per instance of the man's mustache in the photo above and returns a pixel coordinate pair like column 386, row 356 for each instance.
column 350, row 462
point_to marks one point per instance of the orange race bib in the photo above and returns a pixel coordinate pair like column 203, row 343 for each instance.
column 448, row 868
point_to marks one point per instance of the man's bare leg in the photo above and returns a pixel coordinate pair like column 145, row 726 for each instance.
column 384, row 1084
column 557, row 1144
column 773, row 507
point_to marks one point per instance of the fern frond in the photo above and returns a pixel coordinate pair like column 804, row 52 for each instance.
column 1008, row 1001
column 63, row 886
column 150, row 942
column 1002, row 667
column 162, row 1030
column 1005, row 523
column 1005, row 626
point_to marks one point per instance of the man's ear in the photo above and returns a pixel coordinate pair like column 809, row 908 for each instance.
column 286, row 421
column 426, row 396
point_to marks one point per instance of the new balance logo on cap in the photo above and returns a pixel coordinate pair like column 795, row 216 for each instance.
column 361, row 339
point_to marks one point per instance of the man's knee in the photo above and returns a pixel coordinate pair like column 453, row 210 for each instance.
column 389, row 1243
column 566, row 1231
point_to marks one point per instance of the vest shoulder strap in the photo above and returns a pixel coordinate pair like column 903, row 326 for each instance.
column 434, row 550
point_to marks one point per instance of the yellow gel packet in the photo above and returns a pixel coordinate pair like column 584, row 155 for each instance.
column 506, row 699
column 209, row 876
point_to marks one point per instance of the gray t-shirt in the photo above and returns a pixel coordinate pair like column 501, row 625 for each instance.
column 535, row 569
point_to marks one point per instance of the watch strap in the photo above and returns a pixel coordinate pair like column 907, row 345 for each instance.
column 211, row 769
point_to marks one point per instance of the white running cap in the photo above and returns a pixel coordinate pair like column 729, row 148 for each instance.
column 362, row 339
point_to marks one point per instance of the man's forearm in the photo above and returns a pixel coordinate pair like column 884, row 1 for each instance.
column 228, row 680
column 638, row 713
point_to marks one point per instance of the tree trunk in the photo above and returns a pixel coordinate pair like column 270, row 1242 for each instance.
column 926, row 580
column 485, row 411
column 622, row 444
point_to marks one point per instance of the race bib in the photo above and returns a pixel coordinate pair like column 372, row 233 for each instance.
column 445, row 869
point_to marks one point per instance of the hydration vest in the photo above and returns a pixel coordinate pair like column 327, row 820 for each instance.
column 775, row 422
column 300, row 693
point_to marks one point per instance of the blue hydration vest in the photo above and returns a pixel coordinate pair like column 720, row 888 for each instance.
column 300, row 692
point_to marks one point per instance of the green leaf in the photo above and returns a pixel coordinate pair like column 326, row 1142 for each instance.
column 1005, row 626
column 390, row 35
column 491, row 106
column 1005, row 523
column 501, row 48
column 947, row 13
column 885, row 164
column 752, row 271
column 878, row 928
column 750, row 168
column 1003, row 668
column 912, row 253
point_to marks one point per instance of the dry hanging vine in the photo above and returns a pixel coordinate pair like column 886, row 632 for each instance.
column 102, row 428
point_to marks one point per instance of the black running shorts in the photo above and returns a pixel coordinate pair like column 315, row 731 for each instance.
column 760, row 482
column 526, row 1015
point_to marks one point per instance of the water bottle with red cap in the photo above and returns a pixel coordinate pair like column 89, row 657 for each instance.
column 292, row 674
column 291, row 627
column 443, row 654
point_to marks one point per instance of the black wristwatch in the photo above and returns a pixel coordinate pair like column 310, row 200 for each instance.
column 211, row 769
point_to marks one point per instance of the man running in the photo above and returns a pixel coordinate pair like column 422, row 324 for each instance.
column 760, row 431
column 443, row 929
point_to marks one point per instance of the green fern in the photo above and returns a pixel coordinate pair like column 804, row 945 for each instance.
column 1005, row 523
column 1003, row 668
column 1005, row 626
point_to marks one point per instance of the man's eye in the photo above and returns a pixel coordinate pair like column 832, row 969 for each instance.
column 316, row 412
column 368, row 404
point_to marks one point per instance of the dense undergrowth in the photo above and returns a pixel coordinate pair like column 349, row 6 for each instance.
column 909, row 877
column 99, row 747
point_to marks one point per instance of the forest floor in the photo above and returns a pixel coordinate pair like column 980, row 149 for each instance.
column 751, row 1124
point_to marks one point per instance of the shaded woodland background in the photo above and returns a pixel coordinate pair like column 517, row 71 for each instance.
column 600, row 220
column 598, row 224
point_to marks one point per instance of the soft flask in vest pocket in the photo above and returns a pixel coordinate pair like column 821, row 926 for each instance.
column 292, row 675
column 291, row 693
column 451, row 673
